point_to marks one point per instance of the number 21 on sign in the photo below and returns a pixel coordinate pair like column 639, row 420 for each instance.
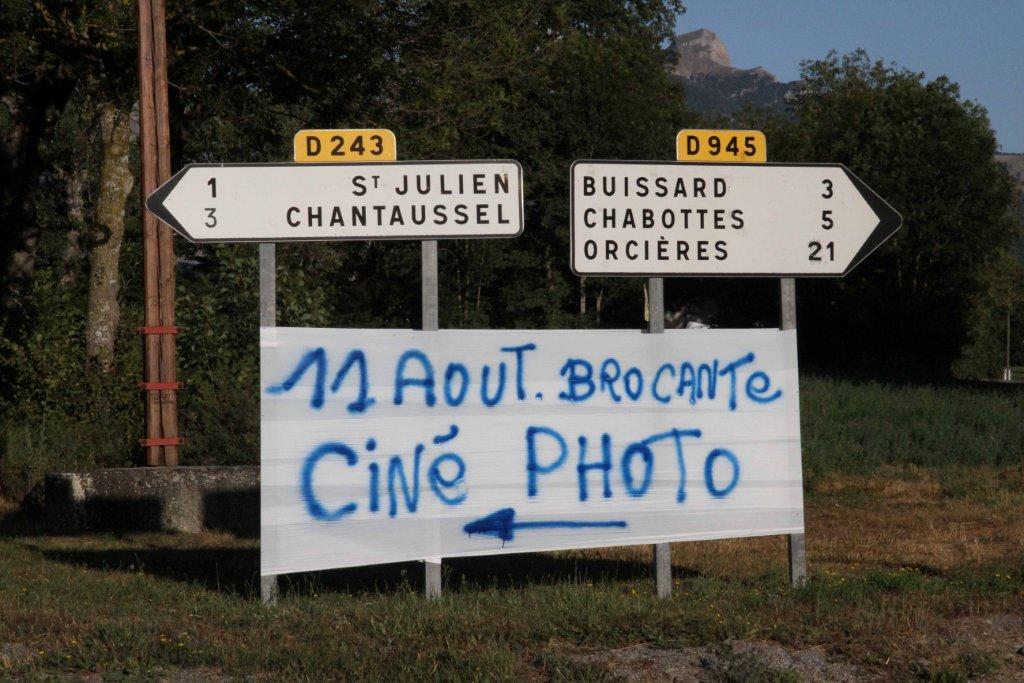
column 826, row 251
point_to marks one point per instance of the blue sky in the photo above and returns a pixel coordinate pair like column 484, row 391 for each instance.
column 977, row 43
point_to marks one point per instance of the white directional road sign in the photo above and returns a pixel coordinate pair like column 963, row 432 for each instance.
column 306, row 202
column 650, row 218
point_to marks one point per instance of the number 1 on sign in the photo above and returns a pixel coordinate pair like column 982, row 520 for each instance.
column 211, row 218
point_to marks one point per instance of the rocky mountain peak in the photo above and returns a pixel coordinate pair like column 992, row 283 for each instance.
column 713, row 84
column 701, row 52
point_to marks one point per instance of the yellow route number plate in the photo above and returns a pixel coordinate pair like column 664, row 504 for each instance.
column 723, row 146
column 346, row 144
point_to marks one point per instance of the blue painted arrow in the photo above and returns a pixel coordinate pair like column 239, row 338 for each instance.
column 501, row 524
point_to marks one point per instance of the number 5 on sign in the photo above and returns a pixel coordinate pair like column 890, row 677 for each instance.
column 722, row 146
column 347, row 144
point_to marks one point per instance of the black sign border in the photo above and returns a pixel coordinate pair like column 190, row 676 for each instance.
column 889, row 219
column 155, row 201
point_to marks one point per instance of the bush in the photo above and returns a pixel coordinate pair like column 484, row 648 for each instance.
column 30, row 449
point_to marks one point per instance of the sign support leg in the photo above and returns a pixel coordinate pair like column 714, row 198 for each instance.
column 797, row 551
column 432, row 577
column 656, row 325
column 268, row 318
column 428, row 273
column 268, row 590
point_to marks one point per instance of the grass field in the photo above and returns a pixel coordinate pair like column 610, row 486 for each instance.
column 915, row 536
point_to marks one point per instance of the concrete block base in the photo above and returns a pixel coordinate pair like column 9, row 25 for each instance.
column 175, row 499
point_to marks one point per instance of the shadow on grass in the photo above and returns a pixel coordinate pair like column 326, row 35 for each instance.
column 228, row 570
column 476, row 573
column 24, row 521
column 235, row 571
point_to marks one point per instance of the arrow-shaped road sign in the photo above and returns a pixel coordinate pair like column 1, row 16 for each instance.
column 649, row 218
column 307, row 202
column 501, row 524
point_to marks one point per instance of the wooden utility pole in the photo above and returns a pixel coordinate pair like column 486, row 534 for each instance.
column 168, row 352
column 158, row 330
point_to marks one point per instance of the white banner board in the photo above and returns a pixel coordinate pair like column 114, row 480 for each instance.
column 356, row 201
column 661, row 218
column 392, row 445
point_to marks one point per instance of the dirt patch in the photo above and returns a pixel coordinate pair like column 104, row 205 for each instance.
column 909, row 486
column 988, row 648
column 732, row 660
column 912, row 518
column 887, row 523
column 14, row 654
column 161, row 675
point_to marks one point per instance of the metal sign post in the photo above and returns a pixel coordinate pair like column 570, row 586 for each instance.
column 268, row 318
column 797, row 550
column 428, row 274
column 656, row 325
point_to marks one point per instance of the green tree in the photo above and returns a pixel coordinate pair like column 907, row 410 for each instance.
column 69, row 94
column 542, row 82
column 930, row 154
column 996, row 321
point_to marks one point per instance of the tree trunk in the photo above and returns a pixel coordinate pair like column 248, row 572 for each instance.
column 74, row 183
column 21, row 264
column 104, row 312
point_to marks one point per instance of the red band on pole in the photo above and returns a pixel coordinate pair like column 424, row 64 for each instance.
column 158, row 329
column 160, row 386
column 164, row 441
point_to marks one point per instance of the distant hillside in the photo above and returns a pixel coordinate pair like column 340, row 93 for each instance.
column 714, row 85
column 1014, row 163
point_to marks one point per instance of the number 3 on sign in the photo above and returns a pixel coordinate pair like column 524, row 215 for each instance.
column 211, row 218
column 744, row 146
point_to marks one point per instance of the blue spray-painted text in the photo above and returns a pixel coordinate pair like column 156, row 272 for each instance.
column 419, row 381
